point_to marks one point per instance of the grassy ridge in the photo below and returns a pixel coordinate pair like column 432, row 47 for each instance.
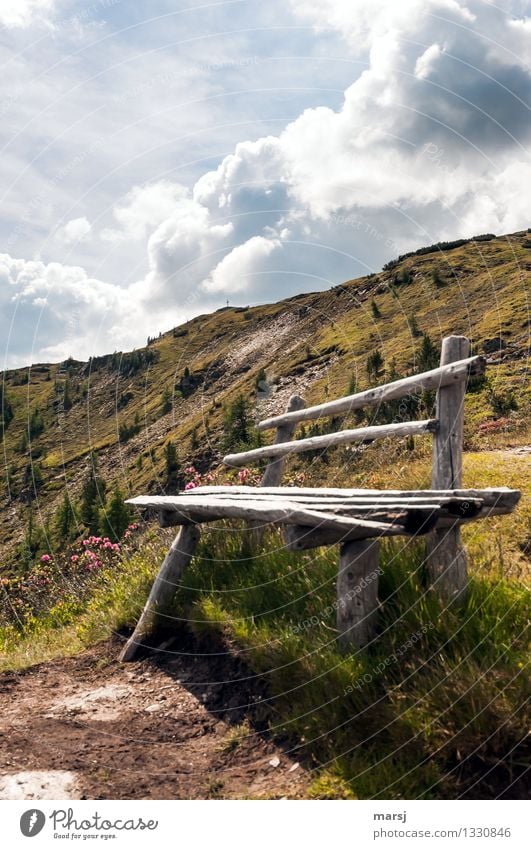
column 316, row 344
column 434, row 708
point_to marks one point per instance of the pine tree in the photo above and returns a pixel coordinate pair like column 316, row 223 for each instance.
column 375, row 310
column 374, row 364
column 36, row 423
column 92, row 496
column 32, row 478
column 428, row 354
column 22, row 446
column 65, row 519
column 413, row 325
column 236, row 425
column 172, row 466
column 6, row 410
column 115, row 517
column 352, row 387
column 436, row 278
column 166, row 401
column 67, row 396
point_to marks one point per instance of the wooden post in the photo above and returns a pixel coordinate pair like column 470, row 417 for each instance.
column 274, row 469
column 446, row 561
column 273, row 473
column 357, row 593
column 163, row 589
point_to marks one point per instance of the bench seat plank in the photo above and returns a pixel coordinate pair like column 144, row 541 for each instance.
column 184, row 509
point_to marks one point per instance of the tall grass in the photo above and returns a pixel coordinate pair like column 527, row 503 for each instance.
column 434, row 708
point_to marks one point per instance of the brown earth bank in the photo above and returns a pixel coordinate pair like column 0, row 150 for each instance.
column 172, row 726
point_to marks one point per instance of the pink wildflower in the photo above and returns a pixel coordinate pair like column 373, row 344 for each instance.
column 190, row 485
column 45, row 558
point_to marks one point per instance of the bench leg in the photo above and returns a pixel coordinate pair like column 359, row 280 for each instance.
column 357, row 593
column 447, row 564
column 163, row 589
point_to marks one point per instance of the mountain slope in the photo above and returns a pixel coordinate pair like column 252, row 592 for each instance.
column 314, row 344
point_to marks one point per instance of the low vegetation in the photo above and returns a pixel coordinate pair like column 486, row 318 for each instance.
column 434, row 708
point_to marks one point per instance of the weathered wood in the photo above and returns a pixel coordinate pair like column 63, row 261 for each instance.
column 445, row 375
column 163, row 589
column 357, row 593
column 273, row 473
column 501, row 497
column 329, row 440
column 446, row 560
column 406, row 523
column 185, row 510
column 351, row 506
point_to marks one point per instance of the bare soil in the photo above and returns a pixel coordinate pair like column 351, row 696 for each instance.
column 170, row 726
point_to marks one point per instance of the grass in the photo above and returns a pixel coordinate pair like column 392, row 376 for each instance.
column 432, row 709
column 485, row 280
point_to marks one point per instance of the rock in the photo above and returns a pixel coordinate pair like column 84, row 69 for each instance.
column 494, row 344
column 274, row 761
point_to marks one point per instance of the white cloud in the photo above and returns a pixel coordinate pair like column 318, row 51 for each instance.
column 22, row 13
column 428, row 144
column 75, row 230
column 236, row 271
column 426, row 62
column 56, row 310
column 144, row 208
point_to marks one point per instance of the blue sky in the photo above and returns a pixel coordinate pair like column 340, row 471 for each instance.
column 159, row 159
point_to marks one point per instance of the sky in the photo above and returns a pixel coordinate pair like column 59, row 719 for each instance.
column 159, row 158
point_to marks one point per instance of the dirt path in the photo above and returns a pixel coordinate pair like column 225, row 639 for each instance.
column 169, row 727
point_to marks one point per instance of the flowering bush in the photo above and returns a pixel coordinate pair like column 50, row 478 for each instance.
column 196, row 478
column 60, row 578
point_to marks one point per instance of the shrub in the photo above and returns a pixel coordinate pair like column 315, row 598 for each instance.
column 93, row 493
column 428, row 355
column 166, row 401
column 6, row 410
column 115, row 517
column 171, row 466
column 437, row 279
column 36, row 424
column 238, row 430
column 127, row 431
column 413, row 325
column 375, row 310
column 374, row 366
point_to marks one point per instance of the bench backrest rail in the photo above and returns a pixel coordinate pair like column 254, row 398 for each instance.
column 446, row 561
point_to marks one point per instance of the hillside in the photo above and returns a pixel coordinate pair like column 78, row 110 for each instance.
column 248, row 678
column 180, row 385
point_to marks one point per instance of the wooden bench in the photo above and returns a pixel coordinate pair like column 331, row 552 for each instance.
column 355, row 519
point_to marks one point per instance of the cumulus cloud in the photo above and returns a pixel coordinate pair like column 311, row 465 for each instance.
column 22, row 13
column 143, row 209
column 75, row 230
column 55, row 310
column 236, row 271
column 429, row 143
